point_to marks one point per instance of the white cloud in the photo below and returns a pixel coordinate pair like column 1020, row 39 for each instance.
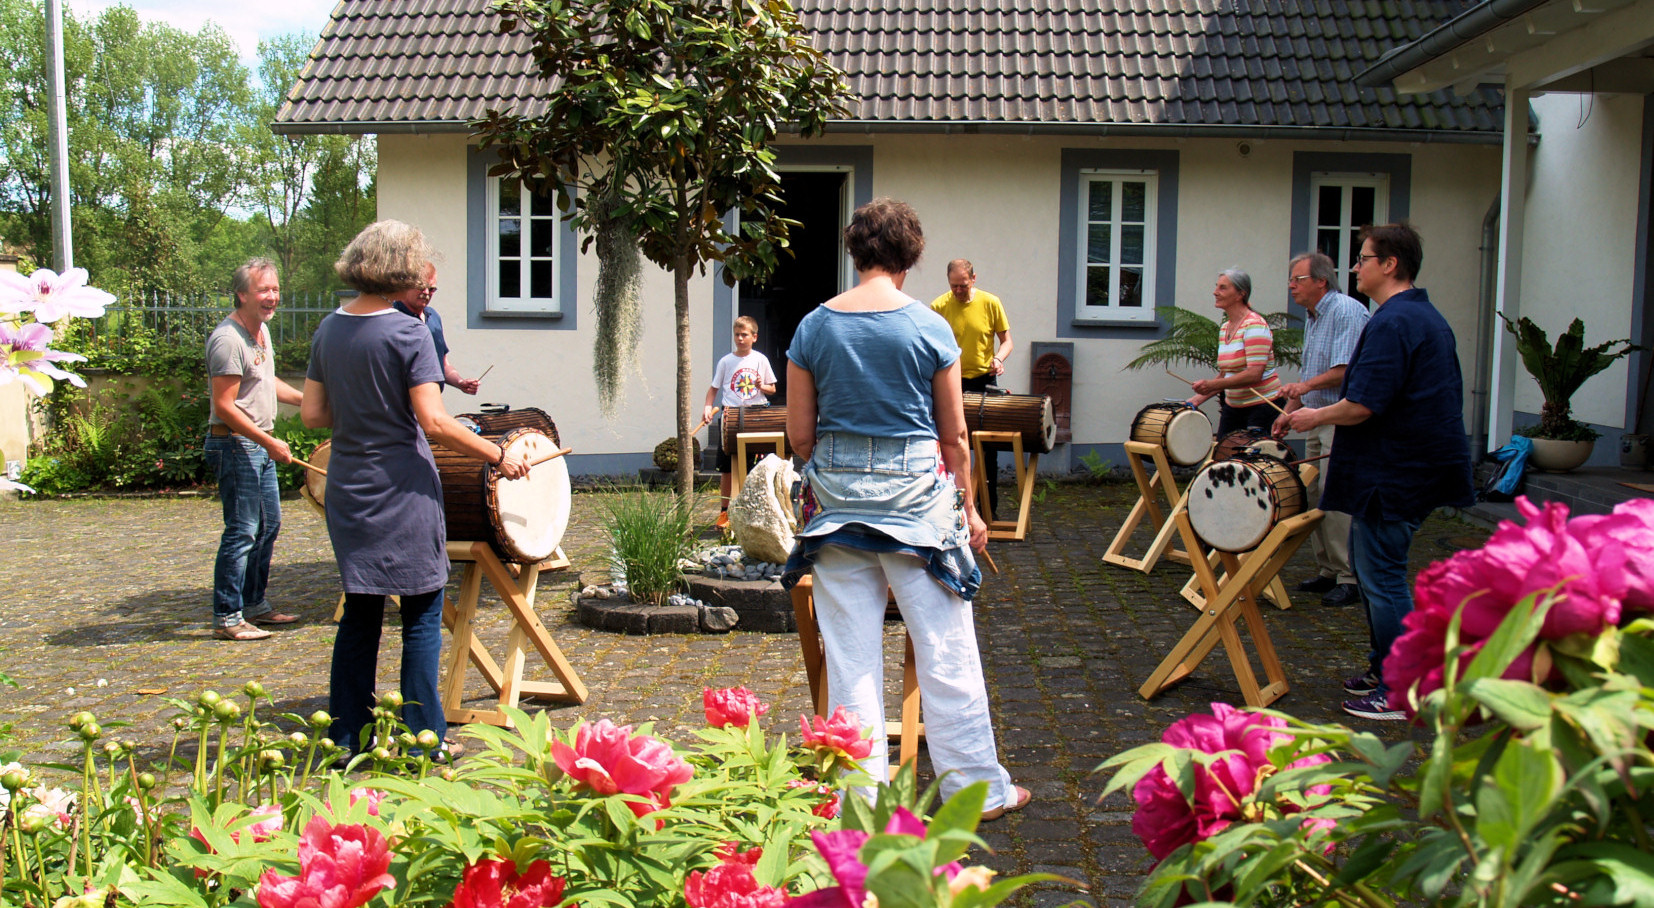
column 246, row 23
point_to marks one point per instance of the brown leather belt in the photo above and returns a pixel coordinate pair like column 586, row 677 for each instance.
column 219, row 429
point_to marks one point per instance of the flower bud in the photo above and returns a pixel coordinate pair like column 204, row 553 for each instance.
column 226, row 711
column 253, row 689
column 90, row 732
column 271, row 760
column 13, row 779
column 381, row 754
column 33, row 823
column 208, row 698
column 320, row 720
column 446, row 774
column 299, row 739
column 112, row 749
column 79, row 719
column 180, row 722
column 146, row 781
column 391, row 699
column 427, row 739
column 327, row 744
column 405, row 740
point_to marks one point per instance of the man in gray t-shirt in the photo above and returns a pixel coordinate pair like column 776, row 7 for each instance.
column 241, row 367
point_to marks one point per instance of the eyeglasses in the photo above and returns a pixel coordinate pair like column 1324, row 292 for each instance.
column 1298, row 279
column 1362, row 257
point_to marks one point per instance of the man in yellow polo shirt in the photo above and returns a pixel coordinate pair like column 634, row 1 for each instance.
column 979, row 323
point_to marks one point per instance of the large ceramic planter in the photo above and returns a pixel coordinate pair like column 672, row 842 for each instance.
column 1554, row 456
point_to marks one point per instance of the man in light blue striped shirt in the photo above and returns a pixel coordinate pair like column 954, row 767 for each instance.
column 1335, row 324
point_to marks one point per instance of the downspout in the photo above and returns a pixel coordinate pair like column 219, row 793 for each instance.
column 1486, row 324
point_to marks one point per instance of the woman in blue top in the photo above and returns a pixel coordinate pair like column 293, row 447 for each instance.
column 874, row 405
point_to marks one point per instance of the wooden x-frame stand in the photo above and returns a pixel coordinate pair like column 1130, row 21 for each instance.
column 1150, row 490
column 739, row 467
column 1275, row 591
column 907, row 733
column 1027, row 466
column 1229, row 601
column 507, row 680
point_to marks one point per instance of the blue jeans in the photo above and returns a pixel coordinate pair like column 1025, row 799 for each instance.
column 252, row 519
column 356, row 661
column 1378, row 552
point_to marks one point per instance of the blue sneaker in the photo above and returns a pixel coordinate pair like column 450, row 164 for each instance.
column 1376, row 706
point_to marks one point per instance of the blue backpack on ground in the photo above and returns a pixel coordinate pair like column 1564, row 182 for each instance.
column 1506, row 482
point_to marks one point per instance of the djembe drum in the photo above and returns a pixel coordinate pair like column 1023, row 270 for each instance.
column 498, row 419
column 1029, row 415
column 1233, row 504
column 751, row 419
column 1255, row 440
column 315, row 484
column 1182, row 431
column 522, row 520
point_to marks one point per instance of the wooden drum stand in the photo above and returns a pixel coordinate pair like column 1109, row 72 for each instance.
column 1027, row 466
column 1161, row 485
column 1230, row 599
column 739, row 468
column 909, row 731
column 507, row 681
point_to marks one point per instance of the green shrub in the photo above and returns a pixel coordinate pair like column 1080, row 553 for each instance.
column 650, row 533
column 302, row 443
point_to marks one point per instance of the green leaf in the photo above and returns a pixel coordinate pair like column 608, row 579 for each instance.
column 962, row 811
column 1629, row 869
column 1521, row 705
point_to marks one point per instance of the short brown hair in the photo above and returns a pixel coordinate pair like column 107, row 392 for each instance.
column 747, row 322
column 962, row 266
column 386, row 257
column 242, row 280
column 885, row 234
column 1400, row 242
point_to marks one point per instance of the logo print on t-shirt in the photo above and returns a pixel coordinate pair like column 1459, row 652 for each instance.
column 744, row 383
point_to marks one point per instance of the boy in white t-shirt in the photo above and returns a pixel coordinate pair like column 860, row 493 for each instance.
column 743, row 379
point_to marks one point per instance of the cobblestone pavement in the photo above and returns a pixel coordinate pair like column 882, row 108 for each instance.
column 105, row 604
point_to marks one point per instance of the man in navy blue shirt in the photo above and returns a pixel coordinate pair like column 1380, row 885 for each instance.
column 421, row 309
column 1400, row 450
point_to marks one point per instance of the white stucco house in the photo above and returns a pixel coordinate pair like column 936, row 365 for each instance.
column 1574, row 239
column 1093, row 158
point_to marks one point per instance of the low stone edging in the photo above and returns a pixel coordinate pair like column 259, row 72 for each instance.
column 756, row 606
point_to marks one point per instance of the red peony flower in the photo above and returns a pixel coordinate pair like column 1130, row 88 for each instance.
column 732, row 706
column 731, row 883
column 1598, row 565
column 828, row 807
column 1166, row 820
column 372, row 795
column 840, row 734
column 608, row 760
column 496, row 884
column 341, row 866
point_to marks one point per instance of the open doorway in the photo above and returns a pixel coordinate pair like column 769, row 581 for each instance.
column 811, row 275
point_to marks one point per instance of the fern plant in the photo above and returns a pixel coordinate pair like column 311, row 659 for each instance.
column 1192, row 339
column 1560, row 371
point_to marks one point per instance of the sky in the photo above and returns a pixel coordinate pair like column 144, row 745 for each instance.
column 246, row 21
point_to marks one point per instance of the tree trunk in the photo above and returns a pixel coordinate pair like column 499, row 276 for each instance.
column 686, row 443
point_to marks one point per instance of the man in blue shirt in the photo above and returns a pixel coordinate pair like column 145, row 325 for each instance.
column 1335, row 324
column 1400, row 450
column 421, row 309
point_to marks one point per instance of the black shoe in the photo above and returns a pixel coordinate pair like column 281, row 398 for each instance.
column 1363, row 684
column 1375, row 705
column 1345, row 594
column 1317, row 584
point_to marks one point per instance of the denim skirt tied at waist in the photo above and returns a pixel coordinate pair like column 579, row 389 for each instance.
column 884, row 495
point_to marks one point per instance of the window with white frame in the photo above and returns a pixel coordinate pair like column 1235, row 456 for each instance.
column 522, row 249
column 1117, row 244
column 1342, row 204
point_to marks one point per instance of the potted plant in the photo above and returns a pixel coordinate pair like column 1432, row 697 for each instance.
column 1560, row 442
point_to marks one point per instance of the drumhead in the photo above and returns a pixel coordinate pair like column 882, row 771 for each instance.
column 1188, row 437
column 531, row 514
column 1232, row 505
column 314, row 482
column 1047, row 426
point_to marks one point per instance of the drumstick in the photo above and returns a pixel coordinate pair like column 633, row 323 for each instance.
column 485, row 373
column 1179, row 377
column 308, row 466
column 1254, row 393
column 708, row 419
column 552, row 456
column 1308, row 460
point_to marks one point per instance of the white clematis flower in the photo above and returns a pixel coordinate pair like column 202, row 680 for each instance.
column 51, row 296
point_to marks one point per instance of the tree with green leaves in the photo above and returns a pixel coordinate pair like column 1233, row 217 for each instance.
column 657, row 125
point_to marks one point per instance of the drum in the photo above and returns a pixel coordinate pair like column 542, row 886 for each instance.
column 1182, row 430
column 1030, row 415
column 1250, row 440
column 498, row 419
column 751, row 419
column 315, row 484
column 522, row 520
column 1233, row 504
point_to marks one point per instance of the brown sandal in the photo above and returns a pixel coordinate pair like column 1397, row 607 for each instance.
column 1021, row 795
column 240, row 631
column 274, row 618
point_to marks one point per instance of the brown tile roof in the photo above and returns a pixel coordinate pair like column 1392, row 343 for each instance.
column 1120, row 66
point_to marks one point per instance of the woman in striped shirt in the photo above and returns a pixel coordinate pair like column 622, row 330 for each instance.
column 1246, row 361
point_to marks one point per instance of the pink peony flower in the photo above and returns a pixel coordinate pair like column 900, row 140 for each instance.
column 731, row 883
column 50, row 296
column 372, row 795
column 496, row 884
column 1166, row 820
column 840, row 734
column 341, row 866
column 608, row 760
column 53, row 804
column 841, row 851
column 732, row 706
column 1597, row 564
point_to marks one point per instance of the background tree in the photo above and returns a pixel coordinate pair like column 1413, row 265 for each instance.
column 661, row 116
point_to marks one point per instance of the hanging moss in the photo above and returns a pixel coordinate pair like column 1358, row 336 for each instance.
column 618, row 300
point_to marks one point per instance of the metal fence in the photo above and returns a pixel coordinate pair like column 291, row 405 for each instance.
column 187, row 319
